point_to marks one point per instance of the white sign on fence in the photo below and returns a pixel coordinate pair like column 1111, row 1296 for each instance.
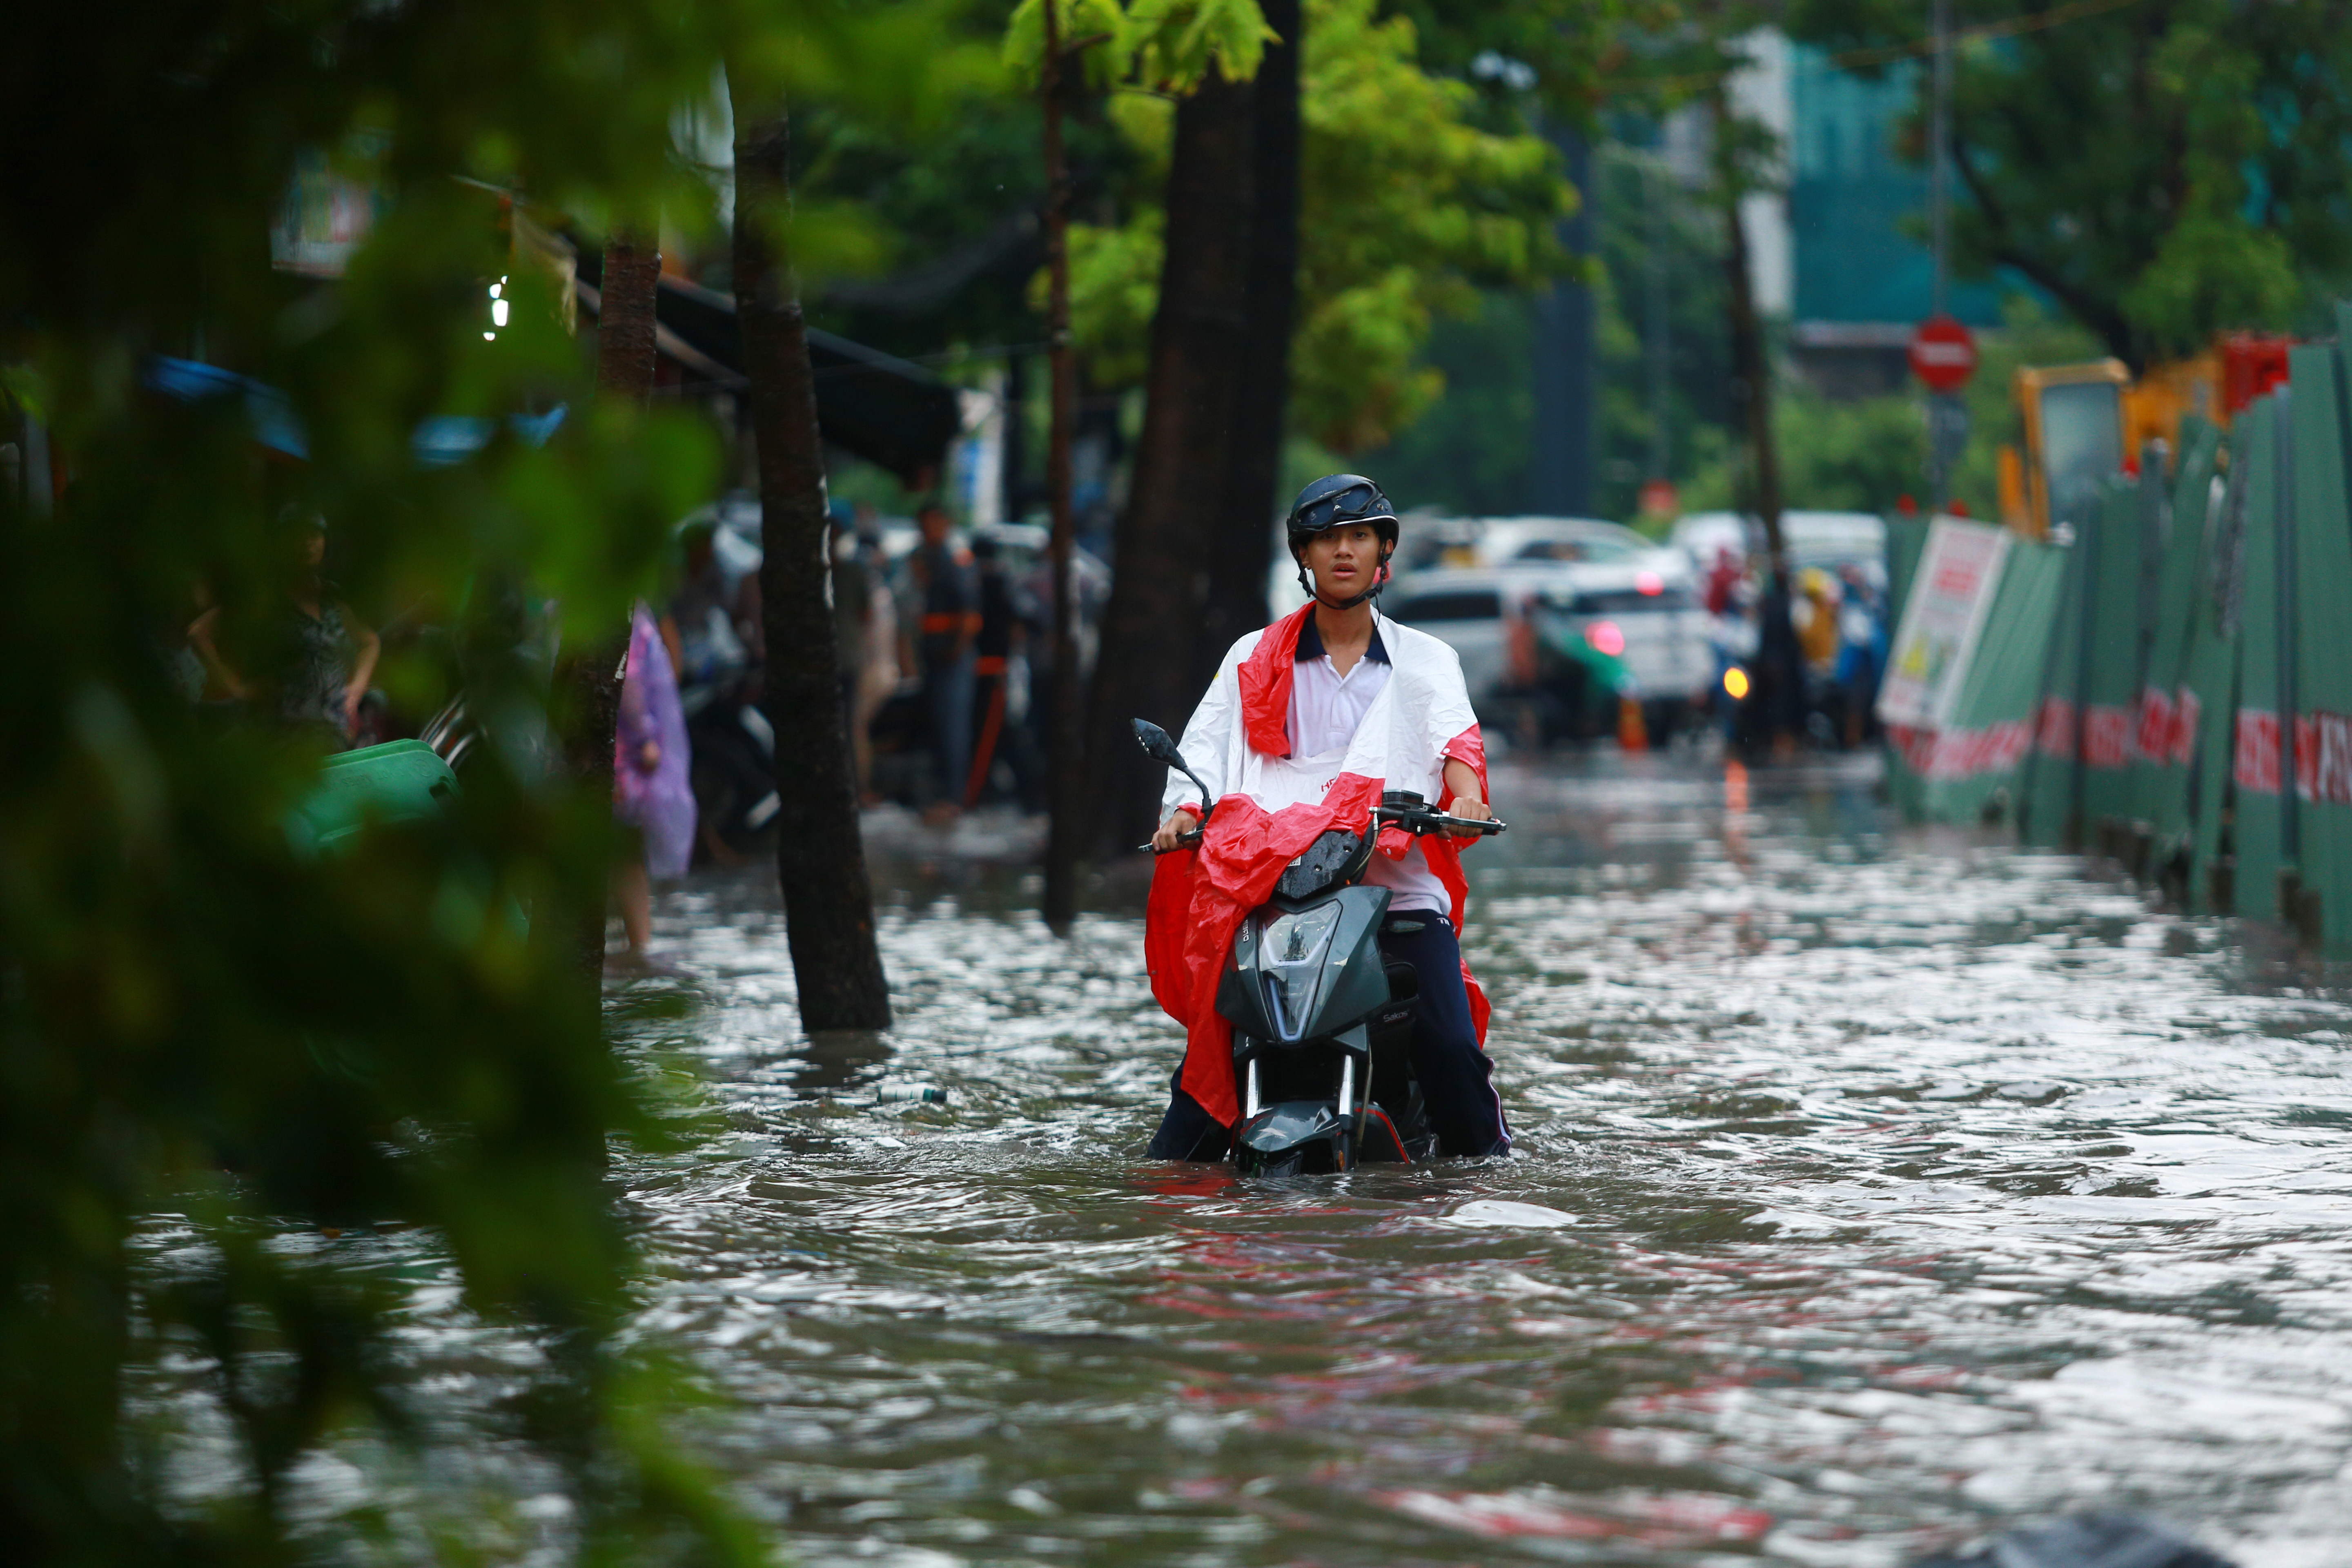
column 1951, row 594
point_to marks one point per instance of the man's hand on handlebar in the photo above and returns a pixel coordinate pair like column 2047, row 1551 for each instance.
column 1469, row 801
column 1472, row 809
column 1181, row 821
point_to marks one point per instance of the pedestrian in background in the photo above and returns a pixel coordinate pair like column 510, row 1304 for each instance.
column 322, row 657
column 1815, row 614
column 718, row 620
column 1862, row 653
column 1775, row 714
column 949, row 591
column 877, row 675
column 651, row 792
column 852, row 610
column 999, row 650
column 1817, row 621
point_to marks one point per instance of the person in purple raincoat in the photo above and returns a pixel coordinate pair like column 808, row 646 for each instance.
column 650, row 791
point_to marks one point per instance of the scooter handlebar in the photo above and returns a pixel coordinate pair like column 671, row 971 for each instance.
column 1418, row 823
column 1423, row 822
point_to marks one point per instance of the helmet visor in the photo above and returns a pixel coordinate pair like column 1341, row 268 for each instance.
column 1356, row 504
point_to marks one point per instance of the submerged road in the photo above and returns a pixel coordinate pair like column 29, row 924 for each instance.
column 1875, row 1186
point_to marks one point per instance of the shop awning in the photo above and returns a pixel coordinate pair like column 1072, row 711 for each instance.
column 874, row 405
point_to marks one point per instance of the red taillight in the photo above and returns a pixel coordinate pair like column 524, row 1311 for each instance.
column 1650, row 583
column 1607, row 637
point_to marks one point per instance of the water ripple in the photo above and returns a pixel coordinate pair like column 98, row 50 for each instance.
column 1874, row 1185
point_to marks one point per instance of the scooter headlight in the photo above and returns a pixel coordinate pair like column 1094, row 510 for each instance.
column 1291, row 949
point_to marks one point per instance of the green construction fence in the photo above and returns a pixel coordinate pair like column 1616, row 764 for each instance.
column 2169, row 683
column 2164, row 736
column 1907, row 538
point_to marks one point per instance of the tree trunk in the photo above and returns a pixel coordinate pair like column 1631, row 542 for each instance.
column 1178, row 501
column 1015, row 490
column 1065, row 738
column 624, row 317
column 591, row 675
column 587, row 704
column 1243, row 548
column 1780, row 672
column 1751, row 370
column 820, row 858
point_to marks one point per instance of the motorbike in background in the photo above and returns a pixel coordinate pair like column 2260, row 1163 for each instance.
column 733, row 769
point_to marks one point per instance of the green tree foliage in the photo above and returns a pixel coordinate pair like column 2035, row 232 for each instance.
column 1165, row 46
column 1468, row 452
column 1836, row 455
column 1556, row 49
column 1658, row 244
column 2162, row 169
column 954, row 211
column 193, row 1018
column 1407, row 209
column 1471, row 451
column 1867, row 454
column 948, row 204
column 951, row 206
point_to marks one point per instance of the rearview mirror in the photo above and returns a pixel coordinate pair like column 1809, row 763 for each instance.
column 1156, row 744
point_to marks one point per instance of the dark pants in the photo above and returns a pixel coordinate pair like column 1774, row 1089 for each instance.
column 1456, row 1079
column 947, row 702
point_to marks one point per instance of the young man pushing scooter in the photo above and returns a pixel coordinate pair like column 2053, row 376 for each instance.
column 1305, row 726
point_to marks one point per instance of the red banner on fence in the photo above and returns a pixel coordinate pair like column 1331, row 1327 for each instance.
column 2184, row 728
column 2107, row 735
column 1948, row 754
column 2054, row 729
column 2256, row 763
column 2157, row 716
column 2323, row 757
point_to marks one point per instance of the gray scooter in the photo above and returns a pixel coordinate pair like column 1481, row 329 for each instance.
column 1322, row 1022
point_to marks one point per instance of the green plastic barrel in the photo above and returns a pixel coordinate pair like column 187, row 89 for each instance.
column 400, row 781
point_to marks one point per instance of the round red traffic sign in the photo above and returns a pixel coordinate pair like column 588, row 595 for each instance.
column 1943, row 353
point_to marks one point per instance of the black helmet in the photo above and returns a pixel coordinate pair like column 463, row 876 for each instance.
column 1333, row 501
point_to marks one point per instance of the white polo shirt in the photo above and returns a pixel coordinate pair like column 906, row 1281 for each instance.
column 1324, row 708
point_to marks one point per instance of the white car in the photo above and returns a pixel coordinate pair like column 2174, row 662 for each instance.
column 1543, row 541
column 1640, row 626
column 1830, row 540
column 1494, row 579
column 1474, row 612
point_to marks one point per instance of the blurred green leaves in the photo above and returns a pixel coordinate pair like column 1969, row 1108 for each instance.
column 2162, row 170
column 1160, row 46
column 194, row 1019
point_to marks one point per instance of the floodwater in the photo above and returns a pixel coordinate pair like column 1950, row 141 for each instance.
column 1875, row 1187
